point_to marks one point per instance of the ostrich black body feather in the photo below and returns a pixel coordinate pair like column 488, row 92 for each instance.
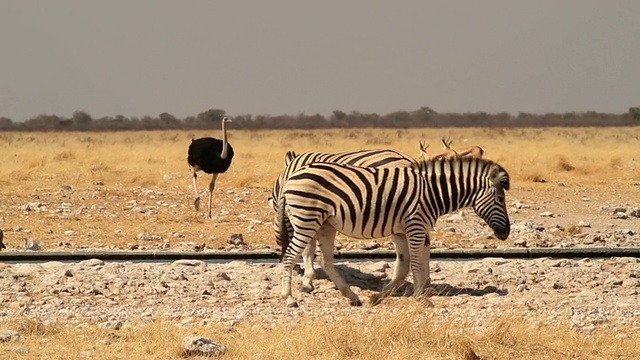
column 204, row 154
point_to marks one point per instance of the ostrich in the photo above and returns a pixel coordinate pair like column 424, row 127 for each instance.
column 1, row 238
column 212, row 156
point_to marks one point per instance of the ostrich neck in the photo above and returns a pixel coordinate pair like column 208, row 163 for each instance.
column 225, row 144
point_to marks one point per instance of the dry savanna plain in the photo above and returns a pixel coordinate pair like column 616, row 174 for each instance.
column 570, row 187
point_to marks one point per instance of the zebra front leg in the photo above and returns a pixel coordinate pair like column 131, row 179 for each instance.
column 326, row 237
column 426, row 255
column 309, row 271
column 400, row 271
column 416, row 249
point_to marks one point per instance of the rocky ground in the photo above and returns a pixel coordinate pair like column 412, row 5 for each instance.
column 587, row 293
column 584, row 293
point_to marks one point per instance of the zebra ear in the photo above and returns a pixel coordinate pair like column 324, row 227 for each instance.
column 289, row 157
column 499, row 177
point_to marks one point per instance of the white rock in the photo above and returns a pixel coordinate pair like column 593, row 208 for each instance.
column 201, row 346
column 189, row 262
column 583, row 223
column 148, row 237
column 9, row 335
column 92, row 262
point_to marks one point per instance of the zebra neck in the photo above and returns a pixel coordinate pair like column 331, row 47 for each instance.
column 442, row 200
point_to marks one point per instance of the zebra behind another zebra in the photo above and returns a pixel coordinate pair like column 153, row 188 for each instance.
column 293, row 162
column 323, row 198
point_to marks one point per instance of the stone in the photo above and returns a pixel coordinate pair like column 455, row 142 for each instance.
column 9, row 335
column 223, row 276
column 371, row 246
column 236, row 239
column 547, row 214
column 189, row 262
column 148, row 237
column 113, row 325
column 92, row 262
column 201, row 346
column 520, row 242
column 583, row 223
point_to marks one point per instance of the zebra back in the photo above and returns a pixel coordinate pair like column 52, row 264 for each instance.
column 363, row 158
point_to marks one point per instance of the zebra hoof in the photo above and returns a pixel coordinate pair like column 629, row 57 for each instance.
column 307, row 288
column 196, row 203
column 356, row 302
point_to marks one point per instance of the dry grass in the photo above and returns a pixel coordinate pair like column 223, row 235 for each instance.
column 141, row 158
column 34, row 165
column 404, row 333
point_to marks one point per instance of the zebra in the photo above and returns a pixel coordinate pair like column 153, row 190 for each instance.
column 293, row 162
column 323, row 198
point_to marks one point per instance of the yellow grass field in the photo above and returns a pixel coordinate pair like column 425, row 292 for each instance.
column 408, row 333
column 111, row 173
column 602, row 163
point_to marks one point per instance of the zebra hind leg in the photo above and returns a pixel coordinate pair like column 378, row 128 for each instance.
column 309, row 271
column 291, row 254
column 326, row 237
column 400, row 271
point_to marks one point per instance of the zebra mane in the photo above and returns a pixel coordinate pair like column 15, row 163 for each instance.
column 288, row 157
column 498, row 175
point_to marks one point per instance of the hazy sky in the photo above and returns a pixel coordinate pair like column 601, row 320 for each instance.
column 144, row 57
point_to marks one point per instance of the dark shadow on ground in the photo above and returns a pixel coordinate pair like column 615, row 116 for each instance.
column 367, row 281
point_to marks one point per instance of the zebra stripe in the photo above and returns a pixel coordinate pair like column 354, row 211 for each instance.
column 322, row 198
column 365, row 158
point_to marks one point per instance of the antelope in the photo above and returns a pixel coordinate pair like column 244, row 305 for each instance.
column 447, row 153
column 470, row 151
column 422, row 155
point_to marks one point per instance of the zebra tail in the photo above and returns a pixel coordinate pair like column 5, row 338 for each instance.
column 282, row 231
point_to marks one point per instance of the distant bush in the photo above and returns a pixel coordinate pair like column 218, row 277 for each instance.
column 424, row 117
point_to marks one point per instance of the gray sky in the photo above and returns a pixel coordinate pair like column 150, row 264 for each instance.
column 144, row 57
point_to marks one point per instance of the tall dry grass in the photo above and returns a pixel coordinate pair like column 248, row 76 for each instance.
column 142, row 158
column 404, row 333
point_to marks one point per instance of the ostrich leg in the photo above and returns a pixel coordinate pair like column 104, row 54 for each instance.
column 194, row 177
column 212, row 186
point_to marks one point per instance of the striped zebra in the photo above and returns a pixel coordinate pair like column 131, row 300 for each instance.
column 293, row 162
column 323, row 198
